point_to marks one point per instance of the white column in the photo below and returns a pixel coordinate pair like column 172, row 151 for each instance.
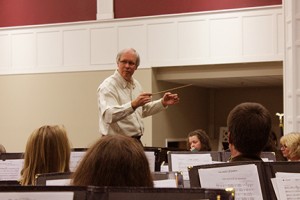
column 105, row 9
column 291, row 66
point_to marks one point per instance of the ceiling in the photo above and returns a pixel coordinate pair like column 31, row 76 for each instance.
column 263, row 74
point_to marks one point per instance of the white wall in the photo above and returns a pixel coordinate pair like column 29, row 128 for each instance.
column 247, row 35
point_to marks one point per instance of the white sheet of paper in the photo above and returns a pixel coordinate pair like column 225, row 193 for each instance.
column 36, row 195
column 151, row 159
column 266, row 160
column 75, row 159
column 287, row 175
column 275, row 187
column 168, row 183
column 11, row 169
column 164, row 168
column 288, row 188
column 243, row 178
column 181, row 162
column 58, row 182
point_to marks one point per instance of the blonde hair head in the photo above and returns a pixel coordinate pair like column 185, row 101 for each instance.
column 47, row 150
column 292, row 142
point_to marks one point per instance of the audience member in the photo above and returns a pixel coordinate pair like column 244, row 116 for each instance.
column 198, row 140
column 249, row 127
column 114, row 160
column 47, row 150
column 290, row 146
column 122, row 102
column 2, row 149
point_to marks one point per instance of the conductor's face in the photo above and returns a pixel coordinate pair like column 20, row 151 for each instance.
column 127, row 65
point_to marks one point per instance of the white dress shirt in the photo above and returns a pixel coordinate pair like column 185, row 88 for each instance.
column 115, row 112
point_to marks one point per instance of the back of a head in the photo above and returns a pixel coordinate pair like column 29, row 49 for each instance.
column 47, row 150
column 249, row 125
column 114, row 161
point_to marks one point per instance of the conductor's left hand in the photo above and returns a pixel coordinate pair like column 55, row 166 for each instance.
column 170, row 99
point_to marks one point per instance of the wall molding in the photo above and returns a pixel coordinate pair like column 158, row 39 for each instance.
column 214, row 37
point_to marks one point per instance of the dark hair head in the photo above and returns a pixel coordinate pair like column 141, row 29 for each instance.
column 114, row 160
column 271, row 145
column 203, row 138
column 249, row 125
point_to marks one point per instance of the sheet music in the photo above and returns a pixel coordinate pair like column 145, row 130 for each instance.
column 274, row 183
column 75, row 159
column 286, row 185
column 181, row 162
column 58, row 182
column 287, row 175
column 151, row 159
column 164, row 168
column 243, row 178
column 168, row 183
column 11, row 169
column 287, row 188
column 266, row 160
column 36, row 195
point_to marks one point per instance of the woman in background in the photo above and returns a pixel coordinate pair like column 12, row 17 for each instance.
column 290, row 146
column 114, row 160
column 47, row 150
column 198, row 140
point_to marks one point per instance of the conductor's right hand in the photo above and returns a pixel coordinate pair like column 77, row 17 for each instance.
column 141, row 100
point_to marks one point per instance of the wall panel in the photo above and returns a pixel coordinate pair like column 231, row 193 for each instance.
column 49, row 49
column 134, row 36
column 5, row 51
column 250, row 35
column 76, row 45
column 193, row 40
column 225, row 38
column 162, row 43
column 23, row 51
column 103, row 45
column 258, row 30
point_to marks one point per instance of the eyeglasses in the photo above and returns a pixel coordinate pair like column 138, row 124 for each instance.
column 124, row 62
column 283, row 146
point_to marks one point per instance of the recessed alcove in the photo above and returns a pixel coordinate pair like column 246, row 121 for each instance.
column 215, row 91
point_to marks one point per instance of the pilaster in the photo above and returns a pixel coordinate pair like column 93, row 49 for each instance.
column 291, row 65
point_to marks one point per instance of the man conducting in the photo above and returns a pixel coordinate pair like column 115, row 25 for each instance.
column 121, row 101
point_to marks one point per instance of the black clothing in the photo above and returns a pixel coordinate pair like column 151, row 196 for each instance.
column 245, row 158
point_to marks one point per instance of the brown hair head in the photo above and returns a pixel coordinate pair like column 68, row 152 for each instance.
column 114, row 160
column 203, row 138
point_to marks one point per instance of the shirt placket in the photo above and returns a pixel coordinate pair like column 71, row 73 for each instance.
column 135, row 114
